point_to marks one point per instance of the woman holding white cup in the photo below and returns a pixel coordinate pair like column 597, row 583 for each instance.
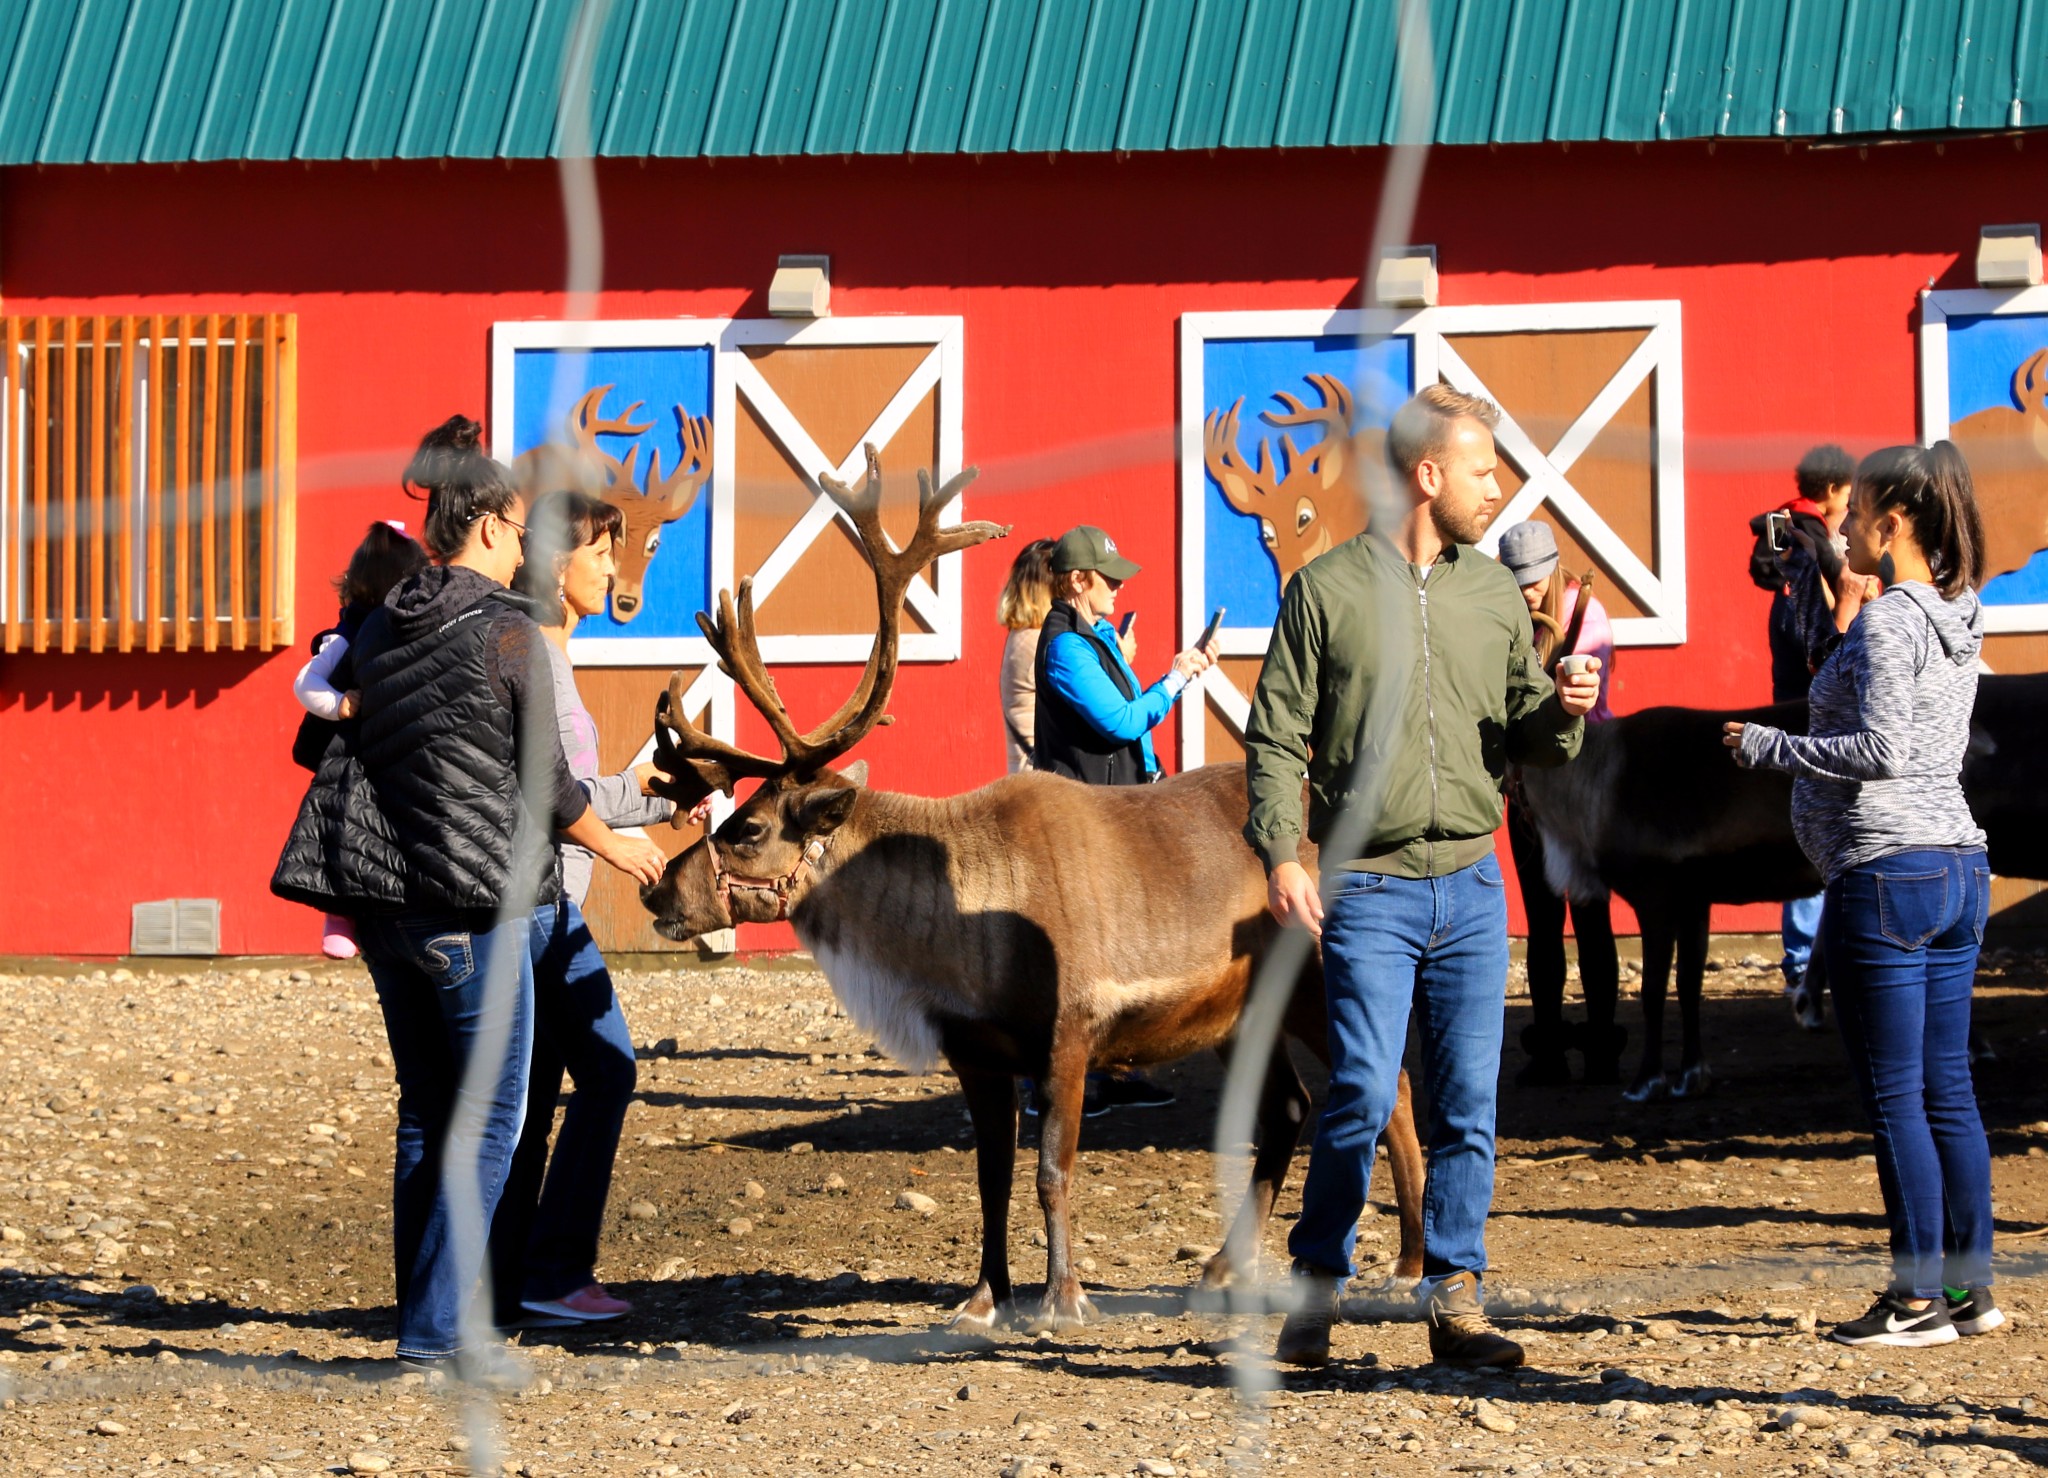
column 1529, row 550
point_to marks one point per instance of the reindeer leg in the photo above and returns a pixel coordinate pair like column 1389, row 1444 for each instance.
column 1283, row 1114
column 1691, row 928
column 1650, row 1082
column 1065, row 1306
column 1404, row 1157
column 992, row 1104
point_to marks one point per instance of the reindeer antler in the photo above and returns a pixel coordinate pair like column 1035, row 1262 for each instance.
column 715, row 765
column 678, row 491
column 1244, row 485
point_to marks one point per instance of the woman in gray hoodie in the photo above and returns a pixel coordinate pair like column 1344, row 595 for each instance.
column 1877, row 803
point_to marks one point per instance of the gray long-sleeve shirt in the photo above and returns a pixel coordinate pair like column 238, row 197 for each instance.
column 1880, row 770
column 615, row 798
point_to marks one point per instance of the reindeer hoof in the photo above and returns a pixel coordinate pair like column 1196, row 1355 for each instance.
column 1696, row 1081
column 1218, row 1272
column 1653, row 1089
column 1058, row 1315
column 1806, row 1009
column 979, row 1315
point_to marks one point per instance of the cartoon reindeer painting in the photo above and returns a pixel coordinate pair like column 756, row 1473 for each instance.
column 1310, row 501
column 588, row 467
column 2007, row 451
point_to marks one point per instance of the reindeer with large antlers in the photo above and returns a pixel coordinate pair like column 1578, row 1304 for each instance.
column 1034, row 927
column 646, row 511
column 1310, row 502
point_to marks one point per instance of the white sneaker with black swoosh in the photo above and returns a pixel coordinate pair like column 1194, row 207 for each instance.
column 1893, row 1320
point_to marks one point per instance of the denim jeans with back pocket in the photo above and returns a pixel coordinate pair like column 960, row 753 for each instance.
column 1902, row 935
column 451, row 987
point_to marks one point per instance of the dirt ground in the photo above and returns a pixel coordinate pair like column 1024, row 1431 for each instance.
column 195, row 1274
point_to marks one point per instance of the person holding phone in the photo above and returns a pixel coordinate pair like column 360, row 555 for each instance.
column 1094, row 720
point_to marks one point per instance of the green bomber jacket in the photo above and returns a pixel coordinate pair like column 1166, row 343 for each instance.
column 1405, row 690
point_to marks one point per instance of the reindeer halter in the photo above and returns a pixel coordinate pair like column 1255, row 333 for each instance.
column 728, row 882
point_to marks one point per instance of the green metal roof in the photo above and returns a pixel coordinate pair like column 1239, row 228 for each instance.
column 120, row 81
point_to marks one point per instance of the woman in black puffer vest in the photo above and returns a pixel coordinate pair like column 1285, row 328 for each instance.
column 433, row 826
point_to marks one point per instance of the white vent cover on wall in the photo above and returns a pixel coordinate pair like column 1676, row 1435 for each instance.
column 176, row 926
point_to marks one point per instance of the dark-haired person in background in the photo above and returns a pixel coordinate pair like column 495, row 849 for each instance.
column 325, row 686
column 433, row 828
column 545, row 1235
column 1812, row 518
column 1877, row 803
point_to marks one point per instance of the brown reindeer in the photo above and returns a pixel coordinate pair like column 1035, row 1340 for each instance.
column 1315, row 503
column 2007, row 451
column 663, row 501
column 1033, row 927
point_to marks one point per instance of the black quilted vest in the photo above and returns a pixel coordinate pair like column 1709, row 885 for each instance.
column 420, row 810
column 1064, row 742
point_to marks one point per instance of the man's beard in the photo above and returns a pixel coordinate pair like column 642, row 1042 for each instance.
column 1465, row 526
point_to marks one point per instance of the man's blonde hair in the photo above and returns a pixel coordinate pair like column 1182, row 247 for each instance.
column 1421, row 429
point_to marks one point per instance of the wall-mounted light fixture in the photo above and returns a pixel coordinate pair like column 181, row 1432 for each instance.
column 2009, row 256
column 1406, row 277
column 802, row 288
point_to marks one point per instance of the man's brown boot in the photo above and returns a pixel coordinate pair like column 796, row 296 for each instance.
column 1459, row 1333
column 1305, row 1337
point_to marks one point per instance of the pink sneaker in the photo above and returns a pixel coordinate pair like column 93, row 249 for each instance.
column 337, row 938
column 588, row 1305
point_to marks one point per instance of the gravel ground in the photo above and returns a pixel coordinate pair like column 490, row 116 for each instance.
column 195, row 1273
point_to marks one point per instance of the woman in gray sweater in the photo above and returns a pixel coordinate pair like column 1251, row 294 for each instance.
column 1877, row 803
column 545, row 1234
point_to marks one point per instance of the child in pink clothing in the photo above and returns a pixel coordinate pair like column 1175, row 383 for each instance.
column 325, row 685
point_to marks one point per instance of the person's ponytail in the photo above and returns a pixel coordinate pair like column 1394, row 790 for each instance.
column 459, row 482
column 1932, row 490
column 1957, row 554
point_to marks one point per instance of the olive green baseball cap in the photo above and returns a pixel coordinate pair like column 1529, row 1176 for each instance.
column 1089, row 548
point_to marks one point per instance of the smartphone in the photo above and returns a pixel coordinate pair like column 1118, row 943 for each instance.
column 1776, row 527
column 1209, row 632
column 1123, row 627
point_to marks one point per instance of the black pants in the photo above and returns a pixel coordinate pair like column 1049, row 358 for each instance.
column 1599, row 971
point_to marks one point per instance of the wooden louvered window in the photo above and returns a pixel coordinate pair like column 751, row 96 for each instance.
column 147, row 494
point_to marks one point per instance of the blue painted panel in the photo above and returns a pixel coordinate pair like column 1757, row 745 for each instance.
column 1983, row 356
column 1238, row 572
column 669, row 381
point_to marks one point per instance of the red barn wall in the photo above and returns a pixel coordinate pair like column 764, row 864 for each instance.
column 130, row 778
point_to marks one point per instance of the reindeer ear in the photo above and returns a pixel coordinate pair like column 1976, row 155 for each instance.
column 855, row 773
column 824, row 810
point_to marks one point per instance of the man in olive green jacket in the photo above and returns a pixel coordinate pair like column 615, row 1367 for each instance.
column 1402, row 679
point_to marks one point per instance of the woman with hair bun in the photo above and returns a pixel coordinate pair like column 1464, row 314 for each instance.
column 1877, row 803
column 433, row 828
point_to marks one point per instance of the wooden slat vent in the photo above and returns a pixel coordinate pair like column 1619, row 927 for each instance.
column 147, row 482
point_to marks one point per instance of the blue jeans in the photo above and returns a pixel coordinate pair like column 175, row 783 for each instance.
column 1901, row 936
column 544, row 1238
column 448, row 984
column 1440, row 947
column 1800, row 923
